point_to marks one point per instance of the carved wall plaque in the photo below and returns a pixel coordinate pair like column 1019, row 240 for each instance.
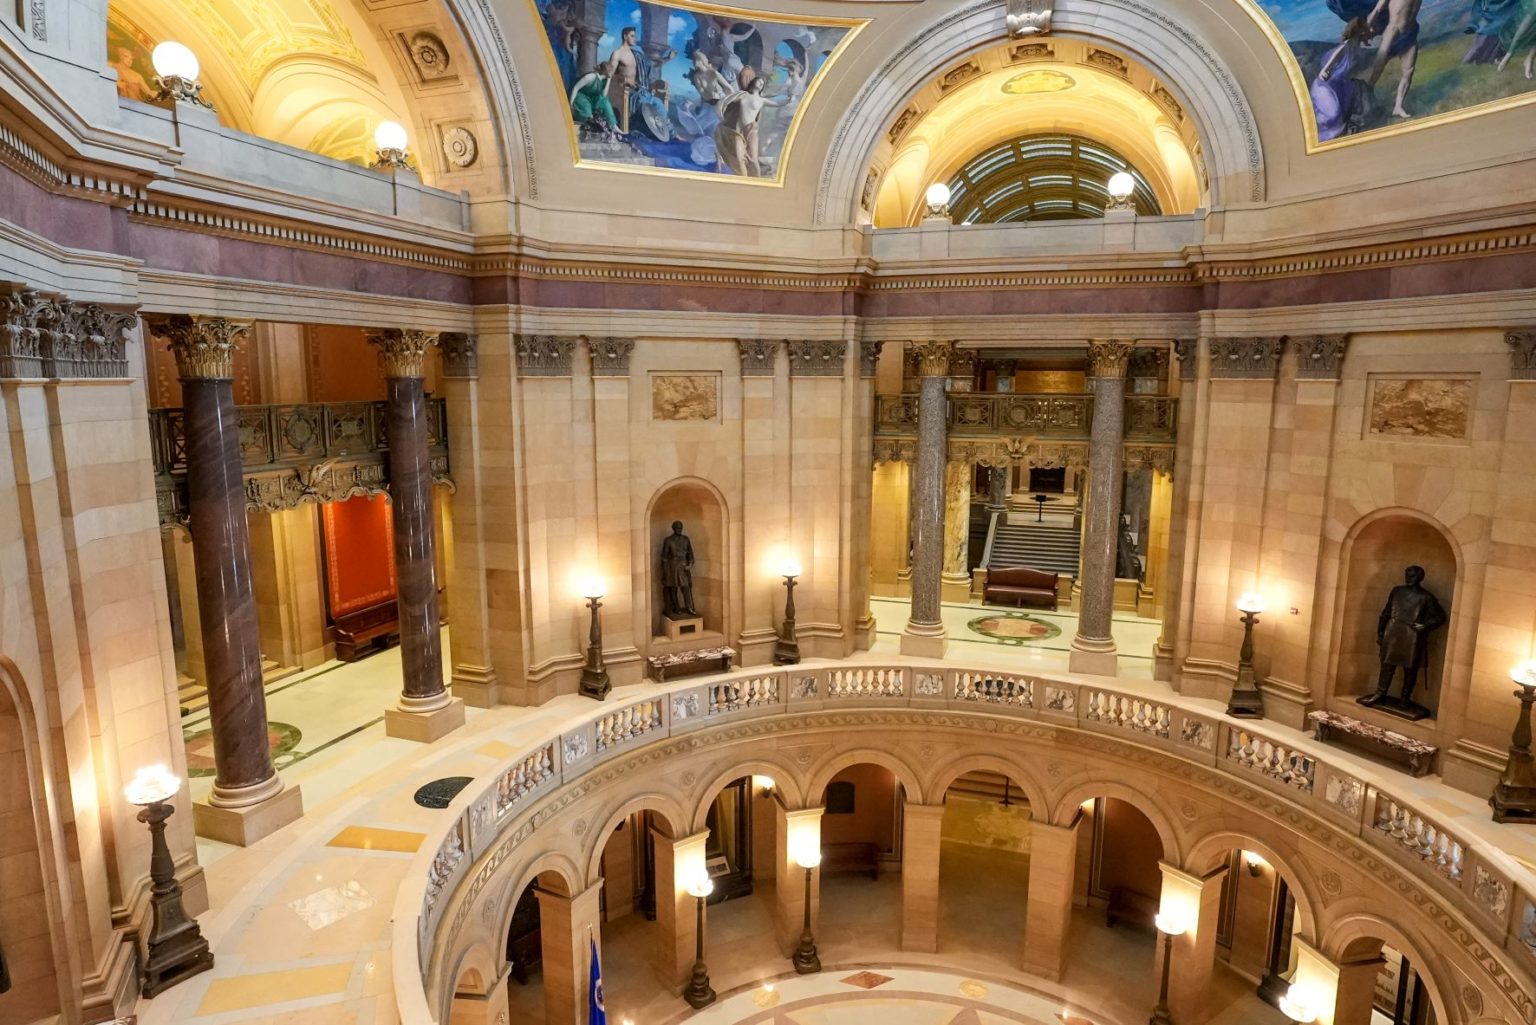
column 1418, row 407
column 685, row 396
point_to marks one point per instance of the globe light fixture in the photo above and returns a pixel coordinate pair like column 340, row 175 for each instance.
column 393, row 146
column 1295, row 1006
column 1514, row 796
column 1246, row 702
column 1121, row 186
column 176, row 71
column 1169, row 925
column 937, row 198
column 175, row 949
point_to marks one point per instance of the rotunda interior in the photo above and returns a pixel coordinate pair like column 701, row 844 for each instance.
column 806, row 512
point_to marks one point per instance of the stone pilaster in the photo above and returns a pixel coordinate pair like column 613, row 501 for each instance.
column 817, row 359
column 426, row 710
column 924, row 634
column 678, row 863
column 1093, row 649
column 1048, row 912
column 1198, row 899
column 791, row 827
column 248, row 800
column 568, row 926
column 921, row 841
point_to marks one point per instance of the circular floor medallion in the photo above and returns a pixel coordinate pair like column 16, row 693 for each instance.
column 281, row 737
column 439, row 792
column 1014, row 628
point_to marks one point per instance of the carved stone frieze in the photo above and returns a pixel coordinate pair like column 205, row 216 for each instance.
column 867, row 196
column 817, row 359
column 1245, row 358
column 54, row 338
column 402, row 351
column 325, row 482
column 1109, row 357
column 1188, row 351
column 544, row 355
column 869, row 358
column 1522, row 355
column 1319, row 357
column 461, row 354
column 757, row 356
column 204, row 347
column 610, row 356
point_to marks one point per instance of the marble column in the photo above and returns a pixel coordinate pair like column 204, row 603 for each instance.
column 426, row 710
column 1093, row 649
column 924, row 635
column 248, row 799
column 921, row 838
column 958, row 475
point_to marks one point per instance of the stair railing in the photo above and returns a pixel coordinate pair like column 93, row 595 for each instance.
column 986, row 553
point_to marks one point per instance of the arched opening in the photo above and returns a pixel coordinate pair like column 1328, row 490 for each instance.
column 28, row 958
column 528, row 946
column 1261, row 917
column 641, row 908
column 983, row 868
column 861, row 861
column 1397, row 993
column 700, row 509
column 1043, row 178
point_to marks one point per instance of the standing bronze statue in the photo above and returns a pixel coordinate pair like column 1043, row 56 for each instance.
column 677, row 575
column 1402, row 633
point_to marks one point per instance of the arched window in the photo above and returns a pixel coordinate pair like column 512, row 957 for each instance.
column 1040, row 178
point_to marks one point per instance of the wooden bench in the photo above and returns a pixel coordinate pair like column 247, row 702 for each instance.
column 360, row 634
column 1130, row 906
column 690, row 662
column 851, row 857
column 1347, row 731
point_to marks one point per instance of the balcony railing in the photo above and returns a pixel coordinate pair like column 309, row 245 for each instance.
column 292, row 454
column 1148, row 418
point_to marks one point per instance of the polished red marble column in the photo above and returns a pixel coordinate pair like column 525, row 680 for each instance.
column 426, row 710
column 245, row 802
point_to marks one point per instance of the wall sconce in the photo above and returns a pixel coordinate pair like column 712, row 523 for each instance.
column 393, row 147
column 1514, row 797
column 1246, row 702
column 1254, row 862
column 176, row 71
column 594, row 675
column 765, row 784
column 1295, row 1006
column 175, row 949
column 1120, row 187
column 937, row 199
column 786, row 650
column 699, row 993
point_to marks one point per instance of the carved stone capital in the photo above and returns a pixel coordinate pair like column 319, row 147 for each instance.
column 1245, row 358
column 817, row 359
column 461, row 354
column 402, row 351
column 757, row 356
column 21, row 345
column 610, row 356
column 1319, row 357
column 1188, row 351
column 544, row 355
column 1522, row 355
column 869, row 357
column 1148, row 363
column 962, row 363
column 933, row 358
column 204, row 347
column 1109, row 357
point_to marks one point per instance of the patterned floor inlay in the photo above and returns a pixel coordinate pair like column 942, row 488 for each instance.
column 1014, row 628
column 867, row 980
column 370, row 838
column 246, row 991
column 281, row 737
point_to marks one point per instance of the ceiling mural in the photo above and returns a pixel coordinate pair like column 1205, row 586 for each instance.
column 1368, row 66
column 693, row 90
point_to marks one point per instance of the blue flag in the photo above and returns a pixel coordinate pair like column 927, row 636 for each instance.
column 597, row 1014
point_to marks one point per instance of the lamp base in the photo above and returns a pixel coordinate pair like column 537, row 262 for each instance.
column 786, row 653
column 175, row 959
column 806, row 959
column 1246, row 704
column 699, row 993
column 1160, row 1017
column 1511, row 803
column 594, row 684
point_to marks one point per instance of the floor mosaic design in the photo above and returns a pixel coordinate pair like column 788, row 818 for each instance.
column 1014, row 628
column 281, row 737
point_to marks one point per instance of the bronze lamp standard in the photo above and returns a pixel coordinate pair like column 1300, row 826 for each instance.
column 175, row 949
column 1170, row 926
column 1246, row 702
column 699, row 993
column 1514, row 797
column 805, row 959
column 594, row 675
column 786, row 650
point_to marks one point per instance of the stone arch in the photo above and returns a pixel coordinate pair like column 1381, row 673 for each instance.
column 1068, row 803
column 668, row 808
column 763, row 765
column 944, row 777
column 715, row 570
column 1211, row 851
column 1353, row 931
column 904, row 773
column 1228, row 132
column 482, row 32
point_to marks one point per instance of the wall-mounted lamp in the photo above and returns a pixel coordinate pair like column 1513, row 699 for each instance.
column 594, row 675
column 1254, row 862
column 176, row 71
column 393, row 146
column 937, row 198
column 1120, row 187
column 1246, row 702
column 786, row 650
column 764, row 784
column 1514, row 796
column 175, row 949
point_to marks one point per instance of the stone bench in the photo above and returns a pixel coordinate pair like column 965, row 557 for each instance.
column 1347, row 731
column 690, row 661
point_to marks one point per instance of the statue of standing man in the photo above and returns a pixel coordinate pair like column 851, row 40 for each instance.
column 677, row 575
column 1402, row 633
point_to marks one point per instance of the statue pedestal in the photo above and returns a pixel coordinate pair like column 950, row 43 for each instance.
column 1410, row 710
column 683, row 629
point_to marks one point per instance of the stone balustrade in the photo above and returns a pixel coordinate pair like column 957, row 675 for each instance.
column 1359, row 798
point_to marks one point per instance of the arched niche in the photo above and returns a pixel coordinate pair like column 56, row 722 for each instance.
column 1377, row 552
column 700, row 508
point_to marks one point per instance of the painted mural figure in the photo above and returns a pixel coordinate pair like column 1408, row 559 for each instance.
column 1410, row 615
column 591, row 108
column 1520, row 34
column 677, row 575
column 736, row 137
column 623, row 70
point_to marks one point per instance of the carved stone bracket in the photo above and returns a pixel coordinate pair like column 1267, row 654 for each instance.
column 895, row 450
column 1109, row 358
column 817, row 359
column 461, row 354
column 869, row 358
column 1149, row 457
column 402, row 351
column 1319, row 357
column 933, row 358
column 610, row 356
column 757, row 356
column 55, row 338
column 204, row 347
column 544, row 355
column 1246, row 358
column 1029, row 17
column 1188, row 351
column 1522, row 356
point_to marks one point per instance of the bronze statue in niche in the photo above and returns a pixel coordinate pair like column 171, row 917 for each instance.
column 1410, row 615
column 677, row 575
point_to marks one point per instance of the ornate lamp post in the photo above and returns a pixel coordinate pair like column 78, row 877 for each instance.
column 1296, row 1007
column 786, row 650
column 175, row 949
column 594, row 675
column 1170, row 926
column 1246, row 702
column 1514, row 797
column 699, row 994
column 806, row 960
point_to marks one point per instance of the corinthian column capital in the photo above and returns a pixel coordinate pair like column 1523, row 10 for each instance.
column 1109, row 357
column 402, row 351
column 933, row 358
column 204, row 347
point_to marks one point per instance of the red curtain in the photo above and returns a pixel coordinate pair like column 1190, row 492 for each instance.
column 359, row 554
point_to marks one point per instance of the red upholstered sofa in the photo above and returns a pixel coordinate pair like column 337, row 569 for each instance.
column 1020, row 585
